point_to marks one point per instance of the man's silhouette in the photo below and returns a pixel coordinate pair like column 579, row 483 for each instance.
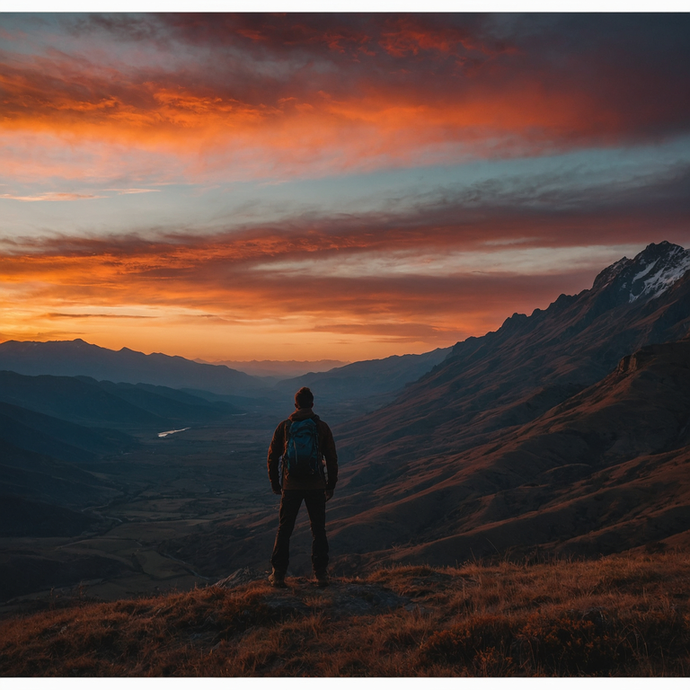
column 302, row 441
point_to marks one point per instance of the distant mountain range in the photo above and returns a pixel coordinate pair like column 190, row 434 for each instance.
column 341, row 392
column 277, row 370
column 79, row 358
column 360, row 387
column 370, row 377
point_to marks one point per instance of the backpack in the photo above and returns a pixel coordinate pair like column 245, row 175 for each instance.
column 302, row 458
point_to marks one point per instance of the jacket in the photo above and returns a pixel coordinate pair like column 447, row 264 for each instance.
column 326, row 447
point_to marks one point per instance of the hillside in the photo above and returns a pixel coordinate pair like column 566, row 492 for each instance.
column 605, row 471
column 620, row 616
column 511, row 376
column 367, row 379
column 79, row 358
column 85, row 401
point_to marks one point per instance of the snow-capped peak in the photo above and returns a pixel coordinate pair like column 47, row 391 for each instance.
column 653, row 271
column 656, row 270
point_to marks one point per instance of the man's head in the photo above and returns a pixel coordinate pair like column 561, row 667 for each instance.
column 304, row 398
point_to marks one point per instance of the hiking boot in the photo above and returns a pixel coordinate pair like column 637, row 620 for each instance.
column 277, row 580
column 322, row 578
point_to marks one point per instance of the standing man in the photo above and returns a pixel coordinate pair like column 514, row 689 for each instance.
column 302, row 441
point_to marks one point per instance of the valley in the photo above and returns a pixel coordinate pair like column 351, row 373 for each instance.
column 168, row 489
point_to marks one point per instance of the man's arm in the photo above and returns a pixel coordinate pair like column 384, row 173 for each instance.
column 275, row 451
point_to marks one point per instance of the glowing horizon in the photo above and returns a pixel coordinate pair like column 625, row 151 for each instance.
column 327, row 186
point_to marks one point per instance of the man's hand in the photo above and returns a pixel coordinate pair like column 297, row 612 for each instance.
column 276, row 488
column 329, row 494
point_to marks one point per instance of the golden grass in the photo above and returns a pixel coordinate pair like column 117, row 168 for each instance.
column 623, row 615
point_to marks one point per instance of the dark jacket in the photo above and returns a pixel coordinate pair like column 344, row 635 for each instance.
column 326, row 446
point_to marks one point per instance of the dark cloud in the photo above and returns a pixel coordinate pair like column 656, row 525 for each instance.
column 579, row 79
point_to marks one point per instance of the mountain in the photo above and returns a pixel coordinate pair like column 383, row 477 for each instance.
column 84, row 401
column 444, row 452
column 511, row 376
column 361, row 386
column 78, row 358
column 30, row 476
column 604, row 471
column 279, row 369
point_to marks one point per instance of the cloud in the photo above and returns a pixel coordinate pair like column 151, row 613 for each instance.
column 133, row 191
column 376, row 278
column 51, row 196
column 305, row 94
column 58, row 315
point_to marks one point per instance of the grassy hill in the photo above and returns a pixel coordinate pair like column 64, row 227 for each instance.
column 617, row 616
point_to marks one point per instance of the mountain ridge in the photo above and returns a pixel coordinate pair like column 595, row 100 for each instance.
column 530, row 363
column 79, row 358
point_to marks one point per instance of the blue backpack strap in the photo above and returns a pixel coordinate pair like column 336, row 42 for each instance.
column 288, row 424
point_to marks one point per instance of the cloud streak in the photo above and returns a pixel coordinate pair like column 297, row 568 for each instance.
column 52, row 196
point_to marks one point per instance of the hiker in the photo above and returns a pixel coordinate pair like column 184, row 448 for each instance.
column 302, row 441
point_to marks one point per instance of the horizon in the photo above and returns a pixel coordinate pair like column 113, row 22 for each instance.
column 328, row 186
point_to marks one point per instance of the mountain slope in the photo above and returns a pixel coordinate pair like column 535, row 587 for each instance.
column 605, row 471
column 369, row 377
column 84, row 401
column 58, row 438
column 511, row 376
column 25, row 474
column 78, row 358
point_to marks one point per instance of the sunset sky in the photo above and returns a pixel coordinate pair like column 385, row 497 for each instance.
column 309, row 186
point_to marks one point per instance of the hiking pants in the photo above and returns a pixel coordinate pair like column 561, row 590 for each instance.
column 290, row 502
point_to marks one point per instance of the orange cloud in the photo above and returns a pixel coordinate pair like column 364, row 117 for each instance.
column 359, row 116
